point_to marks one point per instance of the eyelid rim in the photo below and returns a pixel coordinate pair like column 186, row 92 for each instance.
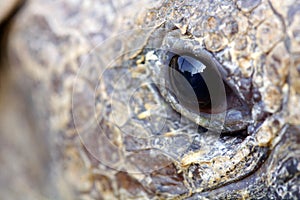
column 211, row 121
column 186, row 46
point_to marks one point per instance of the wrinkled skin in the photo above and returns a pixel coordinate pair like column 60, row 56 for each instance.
column 91, row 119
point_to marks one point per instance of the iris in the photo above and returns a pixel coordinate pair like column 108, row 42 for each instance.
column 187, row 80
column 192, row 70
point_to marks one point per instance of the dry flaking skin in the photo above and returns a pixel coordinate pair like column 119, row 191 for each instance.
column 92, row 72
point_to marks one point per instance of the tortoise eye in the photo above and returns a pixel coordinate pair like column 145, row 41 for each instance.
column 195, row 83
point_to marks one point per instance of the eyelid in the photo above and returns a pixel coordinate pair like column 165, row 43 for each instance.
column 172, row 43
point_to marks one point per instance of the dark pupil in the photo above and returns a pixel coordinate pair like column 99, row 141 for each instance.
column 192, row 71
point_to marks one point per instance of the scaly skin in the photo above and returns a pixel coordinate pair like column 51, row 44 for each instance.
column 93, row 78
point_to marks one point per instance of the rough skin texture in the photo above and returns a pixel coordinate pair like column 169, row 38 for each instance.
column 92, row 121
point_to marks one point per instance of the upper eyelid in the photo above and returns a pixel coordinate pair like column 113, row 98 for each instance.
column 174, row 41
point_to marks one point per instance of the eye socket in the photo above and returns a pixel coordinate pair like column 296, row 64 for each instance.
column 196, row 84
column 190, row 80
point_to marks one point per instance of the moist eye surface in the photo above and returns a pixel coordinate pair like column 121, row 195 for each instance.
column 192, row 70
column 197, row 85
